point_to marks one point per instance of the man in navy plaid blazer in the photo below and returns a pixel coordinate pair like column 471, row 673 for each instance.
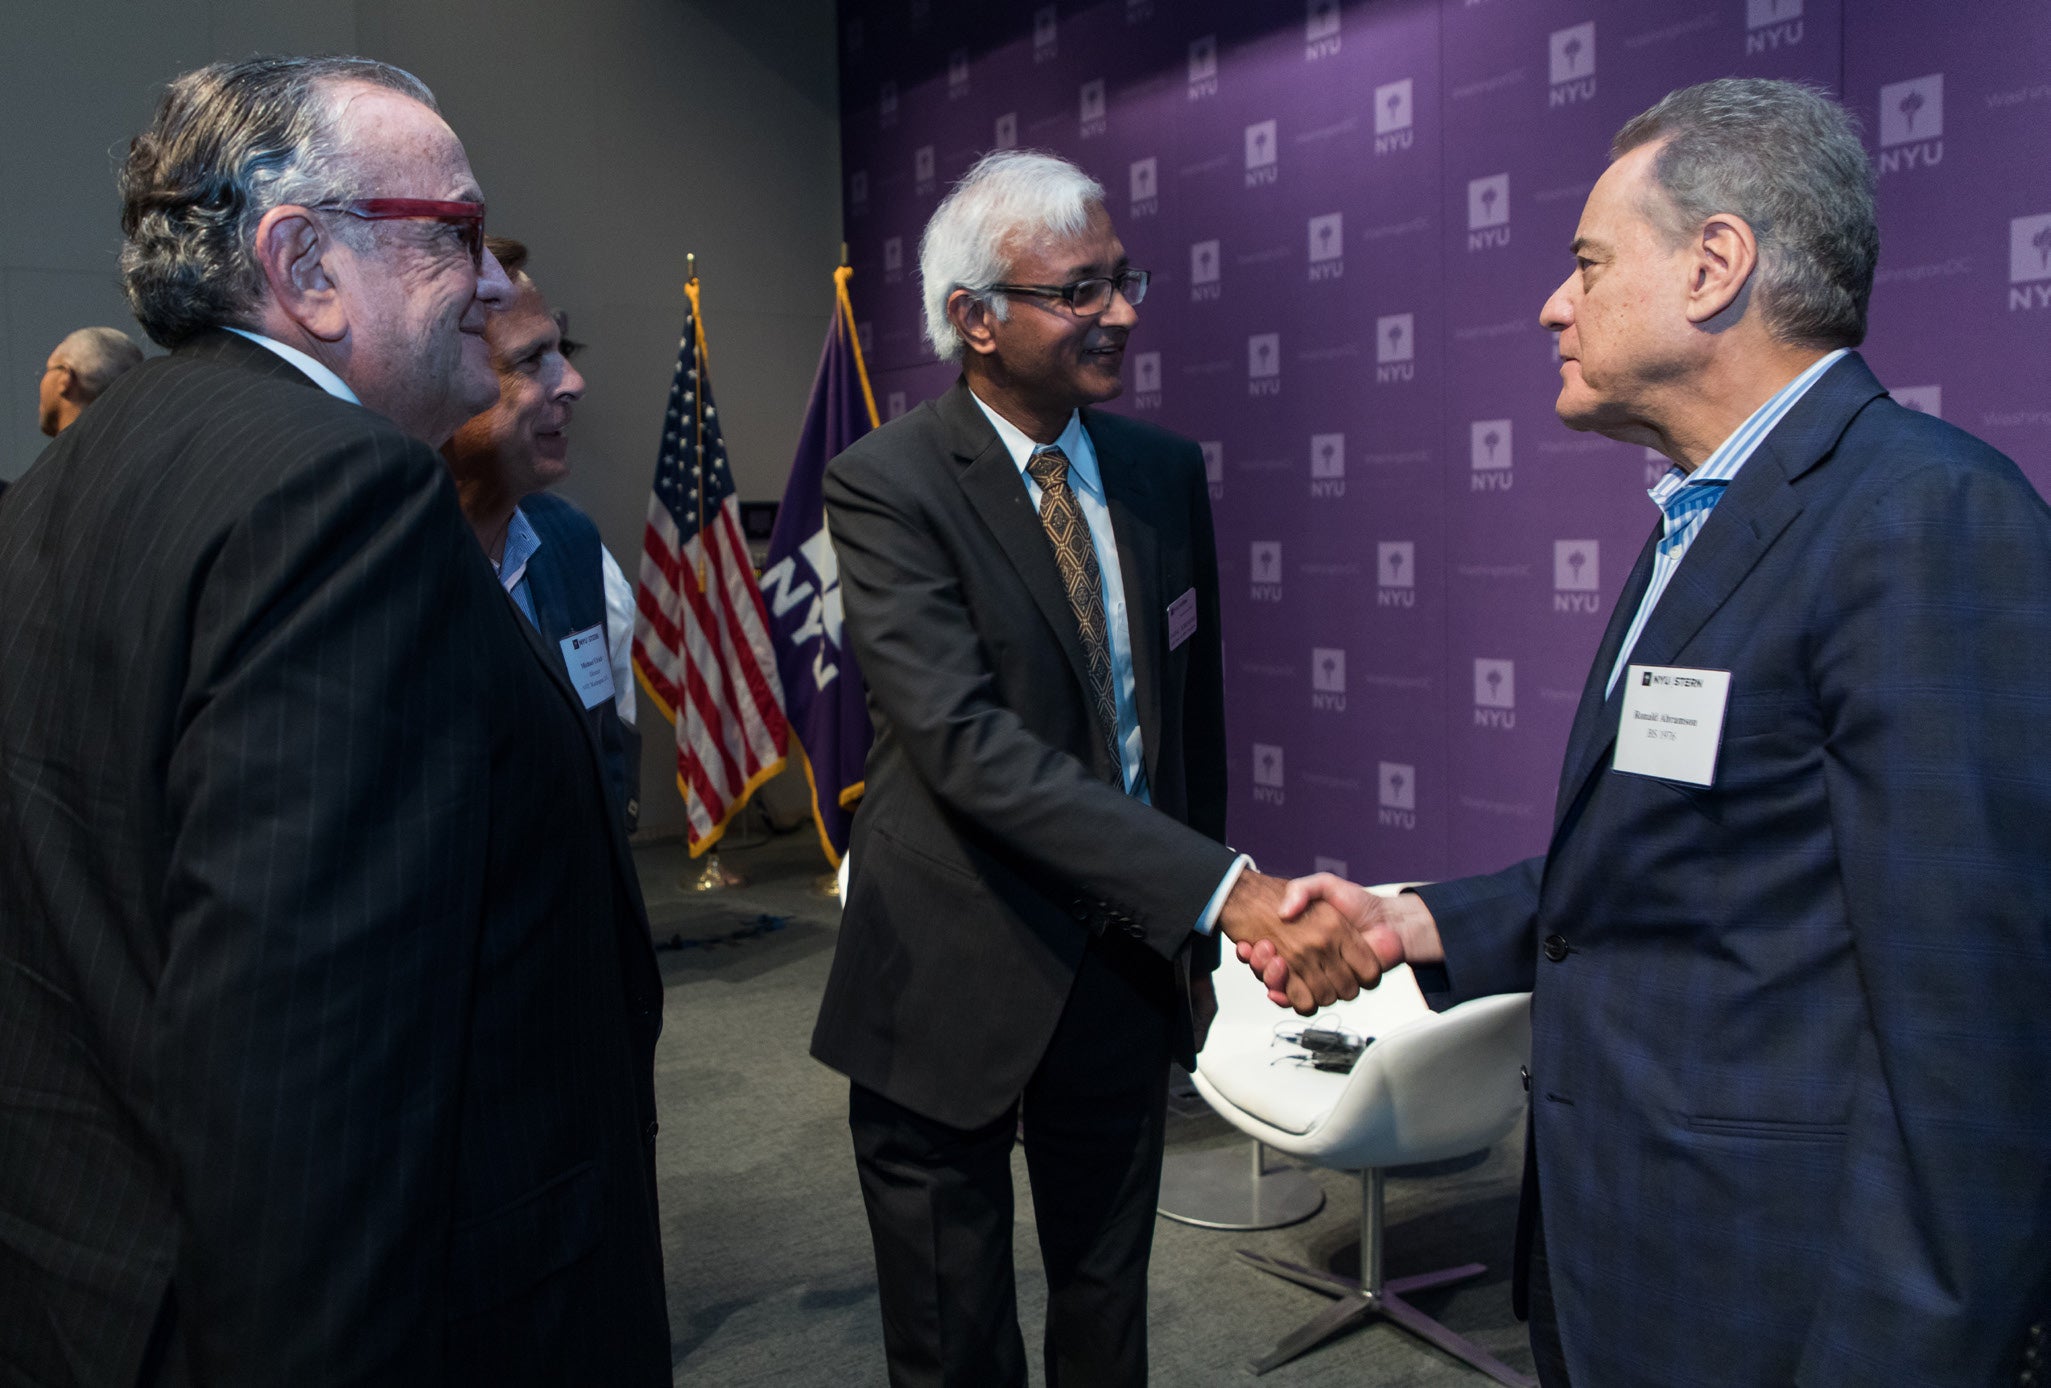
column 1791, row 1069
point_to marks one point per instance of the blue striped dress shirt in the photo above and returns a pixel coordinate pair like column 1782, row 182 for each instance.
column 1685, row 499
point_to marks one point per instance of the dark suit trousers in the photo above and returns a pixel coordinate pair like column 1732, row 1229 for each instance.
column 940, row 1198
column 1546, row 1353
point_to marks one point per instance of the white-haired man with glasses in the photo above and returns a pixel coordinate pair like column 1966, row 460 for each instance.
column 1038, row 878
column 329, row 1009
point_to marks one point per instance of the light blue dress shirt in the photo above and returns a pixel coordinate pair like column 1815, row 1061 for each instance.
column 1685, row 499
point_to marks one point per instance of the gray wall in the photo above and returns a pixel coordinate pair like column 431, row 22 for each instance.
column 613, row 136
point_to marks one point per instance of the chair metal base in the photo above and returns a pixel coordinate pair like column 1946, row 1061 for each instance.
column 1353, row 1304
column 1223, row 1189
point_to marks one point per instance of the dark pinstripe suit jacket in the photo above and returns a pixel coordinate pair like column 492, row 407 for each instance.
column 326, row 1001
column 1791, row 1068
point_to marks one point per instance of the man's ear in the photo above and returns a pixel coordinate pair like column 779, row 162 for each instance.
column 1721, row 263
column 72, row 388
column 296, row 253
column 972, row 318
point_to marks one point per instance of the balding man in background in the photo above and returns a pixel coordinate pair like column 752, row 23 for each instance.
column 83, row 365
column 327, row 1007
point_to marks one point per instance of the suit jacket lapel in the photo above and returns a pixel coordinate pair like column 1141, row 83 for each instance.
column 1595, row 717
column 1128, row 488
column 1758, row 505
column 999, row 495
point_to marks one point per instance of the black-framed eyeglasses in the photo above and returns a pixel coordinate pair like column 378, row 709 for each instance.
column 1087, row 297
column 466, row 217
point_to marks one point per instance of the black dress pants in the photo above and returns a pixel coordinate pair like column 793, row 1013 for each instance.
column 940, row 1208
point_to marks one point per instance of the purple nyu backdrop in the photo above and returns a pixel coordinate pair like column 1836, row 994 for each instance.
column 1352, row 213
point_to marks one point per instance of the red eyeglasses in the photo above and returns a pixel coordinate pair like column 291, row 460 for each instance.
column 466, row 217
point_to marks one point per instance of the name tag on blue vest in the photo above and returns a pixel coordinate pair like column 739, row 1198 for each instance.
column 590, row 665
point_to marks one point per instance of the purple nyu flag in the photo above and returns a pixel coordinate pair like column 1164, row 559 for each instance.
column 823, row 692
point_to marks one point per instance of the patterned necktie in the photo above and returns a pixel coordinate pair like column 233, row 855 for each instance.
column 1076, row 555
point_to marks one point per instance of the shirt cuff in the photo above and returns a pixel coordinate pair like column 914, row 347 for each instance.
column 1208, row 923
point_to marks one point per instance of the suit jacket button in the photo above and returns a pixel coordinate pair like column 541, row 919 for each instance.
column 1079, row 909
column 1557, row 948
column 1524, row 1074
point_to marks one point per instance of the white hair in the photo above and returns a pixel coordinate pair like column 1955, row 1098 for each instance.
column 1009, row 196
column 96, row 356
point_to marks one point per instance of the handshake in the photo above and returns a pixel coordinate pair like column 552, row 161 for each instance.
column 1318, row 939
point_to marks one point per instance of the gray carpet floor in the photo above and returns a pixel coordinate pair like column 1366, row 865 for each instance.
column 770, row 1277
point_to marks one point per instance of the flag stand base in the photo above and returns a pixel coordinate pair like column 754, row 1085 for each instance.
column 712, row 878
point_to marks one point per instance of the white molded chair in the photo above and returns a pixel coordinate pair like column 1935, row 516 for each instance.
column 1430, row 1086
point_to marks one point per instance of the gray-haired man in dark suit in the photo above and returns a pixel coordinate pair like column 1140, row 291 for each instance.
column 326, row 1002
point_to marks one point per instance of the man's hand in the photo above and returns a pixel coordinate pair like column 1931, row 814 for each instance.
column 1396, row 929
column 1320, row 956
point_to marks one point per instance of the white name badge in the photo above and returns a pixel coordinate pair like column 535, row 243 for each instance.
column 1181, row 619
column 1672, row 723
column 590, row 665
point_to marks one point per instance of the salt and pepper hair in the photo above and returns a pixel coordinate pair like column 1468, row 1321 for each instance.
column 1010, row 197
column 1787, row 159
column 229, row 142
column 96, row 356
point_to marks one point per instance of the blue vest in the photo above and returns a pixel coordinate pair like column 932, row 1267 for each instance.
column 566, row 580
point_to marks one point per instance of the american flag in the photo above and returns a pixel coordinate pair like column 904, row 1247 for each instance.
column 701, row 636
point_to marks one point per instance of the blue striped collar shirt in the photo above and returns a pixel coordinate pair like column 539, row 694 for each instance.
column 1685, row 499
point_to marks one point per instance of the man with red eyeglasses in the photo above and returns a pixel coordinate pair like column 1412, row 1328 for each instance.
column 327, row 1007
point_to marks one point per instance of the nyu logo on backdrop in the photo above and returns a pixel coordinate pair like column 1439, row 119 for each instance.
column 858, row 191
column 1912, row 124
column 1214, row 467
column 1327, row 246
column 1267, row 570
column 1146, row 381
column 1144, row 201
column 1335, row 866
column 1260, row 154
column 1046, row 35
column 1327, row 465
column 1495, row 694
column 1772, row 24
column 893, row 260
column 1203, row 67
column 1006, row 135
column 1395, row 348
column 1572, row 55
column 1392, row 117
column 1264, row 364
column 1488, row 446
column 957, row 74
column 1398, row 808
column 1267, row 774
column 1327, row 679
column 1092, row 110
column 922, row 170
column 886, row 105
column 1488, row 212
column 1203, row 272
column 894, row 404
column 2029, row 262
column 1928, row 399
column 1577, row 576
column 1321, row 30
column 1395, row 569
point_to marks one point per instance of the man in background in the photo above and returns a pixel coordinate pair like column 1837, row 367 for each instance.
column 329, row 1008
column 545, row 551
column 1790, row 945
column 1037, row 876
column 84, row 364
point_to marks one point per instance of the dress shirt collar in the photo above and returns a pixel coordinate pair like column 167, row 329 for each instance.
column 521, row 544
column 1074, row 442
column 321, row 375
column 1730, row 455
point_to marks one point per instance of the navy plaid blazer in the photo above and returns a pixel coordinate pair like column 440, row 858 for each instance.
column 1791, row 1064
